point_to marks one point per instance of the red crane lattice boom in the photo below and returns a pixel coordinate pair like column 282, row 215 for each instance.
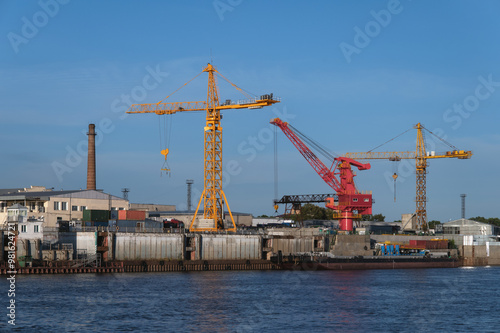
column 340, row 177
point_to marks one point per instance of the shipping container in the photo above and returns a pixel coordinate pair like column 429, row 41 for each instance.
column 95, row 215
column 139, row 215
column 437, row 244
column 430, row 244
column 139, row 226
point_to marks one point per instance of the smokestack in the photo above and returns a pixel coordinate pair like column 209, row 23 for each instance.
column 91, row 158
column 463, row 205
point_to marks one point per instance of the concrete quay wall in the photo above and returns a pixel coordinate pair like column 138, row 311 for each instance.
column 231, row 247
column 148, row 246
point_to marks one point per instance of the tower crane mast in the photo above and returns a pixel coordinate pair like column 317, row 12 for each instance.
column 212, row 196
column 340, row 177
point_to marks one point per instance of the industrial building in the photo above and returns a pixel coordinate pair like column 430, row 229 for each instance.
column 51, row 207
column 469, row 227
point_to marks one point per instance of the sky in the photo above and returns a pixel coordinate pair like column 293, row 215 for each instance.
column 350, row 75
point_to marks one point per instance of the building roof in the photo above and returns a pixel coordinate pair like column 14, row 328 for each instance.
column 463, row 222
column 46, row 195
column 4, row 191
column 17, row 206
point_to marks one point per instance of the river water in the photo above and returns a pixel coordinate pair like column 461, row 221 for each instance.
column 411, row 300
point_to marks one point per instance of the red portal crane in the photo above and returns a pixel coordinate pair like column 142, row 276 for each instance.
column 340, row 177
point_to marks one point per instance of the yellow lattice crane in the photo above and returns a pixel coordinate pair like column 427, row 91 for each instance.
column 421, row 157
column 212, row 196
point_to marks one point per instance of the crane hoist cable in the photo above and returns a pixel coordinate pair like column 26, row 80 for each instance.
column 395, row 168
column 318, row 146
column 165, row 138
column 166, row 128
column 275, row 169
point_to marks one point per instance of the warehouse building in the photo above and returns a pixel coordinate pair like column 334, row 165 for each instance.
column 51, row 206
column 469, row 227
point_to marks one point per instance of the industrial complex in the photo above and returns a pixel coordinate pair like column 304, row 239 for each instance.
column 88, row 230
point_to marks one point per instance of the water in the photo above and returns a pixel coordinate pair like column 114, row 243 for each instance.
column 420, row 300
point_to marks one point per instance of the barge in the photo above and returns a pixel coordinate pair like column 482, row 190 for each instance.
column 314, row 263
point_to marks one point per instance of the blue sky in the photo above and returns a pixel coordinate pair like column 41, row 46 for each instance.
column 351, row 75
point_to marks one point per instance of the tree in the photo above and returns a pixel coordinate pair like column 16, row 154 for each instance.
column 313, row 212
column 491, row 220
column 432, row 224
column 374, row 218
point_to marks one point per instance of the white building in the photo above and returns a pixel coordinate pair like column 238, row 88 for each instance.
column 469, row 227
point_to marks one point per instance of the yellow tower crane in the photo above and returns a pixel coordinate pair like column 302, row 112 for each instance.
column 421, row 157
column 212, row 196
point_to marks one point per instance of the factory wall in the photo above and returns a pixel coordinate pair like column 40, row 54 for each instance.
column 148, row 246
column 231, row 247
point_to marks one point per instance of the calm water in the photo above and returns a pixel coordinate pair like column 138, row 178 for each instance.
column 424, row 300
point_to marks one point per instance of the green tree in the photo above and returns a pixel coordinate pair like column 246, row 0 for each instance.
column 374, row 218
column 313, row 212
column 491, row 220
column 432, row 224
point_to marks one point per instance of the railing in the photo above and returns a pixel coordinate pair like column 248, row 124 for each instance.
column 340, row 216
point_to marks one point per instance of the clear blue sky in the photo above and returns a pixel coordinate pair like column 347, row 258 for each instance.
column 351, row 75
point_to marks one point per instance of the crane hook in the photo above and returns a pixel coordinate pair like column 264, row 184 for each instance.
column 395, row 176
column 165, row 153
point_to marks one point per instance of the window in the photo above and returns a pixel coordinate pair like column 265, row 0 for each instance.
column 56, row 205
column 113, row 208
column 120, row 208
column 64, row 206
column 23, row 228
column 355, row 199
column 367, row 200
column 74, row 208
column 32, row 207
column 82, row 208
column 36, row 228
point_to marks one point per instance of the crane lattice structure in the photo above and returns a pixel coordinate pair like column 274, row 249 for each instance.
column 294, row 202
column 421, row 156
column 212, row 196
column 351, row 203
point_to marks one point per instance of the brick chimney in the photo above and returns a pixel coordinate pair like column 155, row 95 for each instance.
column 91, row 158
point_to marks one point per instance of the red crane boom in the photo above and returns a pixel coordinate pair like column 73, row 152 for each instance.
column 340, row 177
